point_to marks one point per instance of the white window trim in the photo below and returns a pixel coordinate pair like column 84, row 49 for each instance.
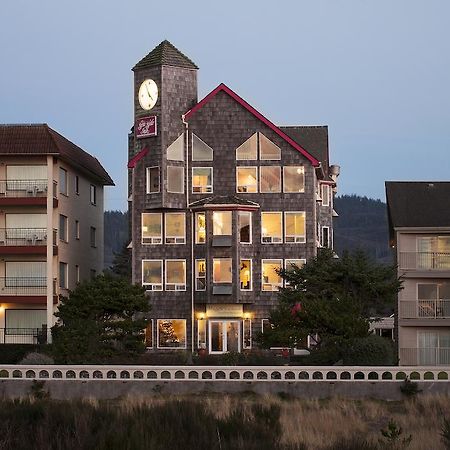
column 223, row 282
column 157, row 335
column 251, row 228
column 329, row 237
column 152, row 335
column 303, row 260
column 260, row 180
column 326, row 198
column 284, row 180
column 192, row 147
column 153, row 240
column 262, row 324
column 259, row 148
column 147, row 180
column 152, row 286
column 203, row 189
column 182, row 182
column 251, row 275
column 298, row 238
column 231, row 222
column 249, row 321
column 177, row 239
column 223, row 322
column 196, row 274
column 239, row 146
column 176, row 286
column 196, row 229
column 272, row 237
column 274, row 287
column 257, row 179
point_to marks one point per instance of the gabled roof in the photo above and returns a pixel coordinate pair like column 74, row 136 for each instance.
column 223, row 200
column 418, row 204
column 165, row 54
column 40, row 139
column 223, row 88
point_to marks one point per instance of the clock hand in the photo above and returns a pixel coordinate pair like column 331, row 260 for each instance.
column 148, row 92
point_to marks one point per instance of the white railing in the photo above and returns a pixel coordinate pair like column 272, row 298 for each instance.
column 424, row 260
column 224, row 373
column 425, row 309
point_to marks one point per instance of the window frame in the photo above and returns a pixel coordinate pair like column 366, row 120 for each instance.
column 157, row 334
column 65, row 267
column 250, row 289
column 150, row 286
column 249, row 323
column 93, row 237
column 181, row 169
column 231, row 222
column 64, row 184
column 256, row 153
column 197, row 214
column 149, row 322
column 181, row 239
column 277, row 286
column 327, row 196
column 298, row 239
column 231, row 271
column 286, row 260
column 176, row 286
column 153, row 240
column 251, row 227
column 77, row 230
column 197, row 277
column 180, row 137
column 284, row 179
column 65, row 237
column 260, row 146
column 77, row 273
column 205, row 343
column 93, row 194
column 192, row 147
column 77, row 185
column 256, row 183
column 260, row 180
column 280, row 213
column 325, row 227
column 203, row 189
column 148, row 186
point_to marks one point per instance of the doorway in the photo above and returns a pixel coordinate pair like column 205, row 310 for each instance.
column 224, row 336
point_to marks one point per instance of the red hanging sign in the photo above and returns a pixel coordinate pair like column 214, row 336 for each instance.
column 146, row 127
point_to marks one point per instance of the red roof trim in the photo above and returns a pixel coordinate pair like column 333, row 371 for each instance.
column 258, row 115
column 133, row 161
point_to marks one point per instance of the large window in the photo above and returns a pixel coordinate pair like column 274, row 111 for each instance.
column 151, row 228
column 222, row 223
column 153, row 180
column 63, row 275
column 63, row 181
column 249, row 149
column 200, row 150
column 175, row 228
column 245, row 227
column 294, row 179
column 175, row 275
column 152, row 274
column 433, row 252
column 271, row 280
column 294, row 227
column 245, row 275
column 267, row 149
column 63, row 228
column 200, row 228
column 247, row 179
column 222, row 270
column 270, row 179
column 200, row 274
column 171, row 333
column 271, row 228
column 175, row 179
column 433, row 299
column 202, row 180
column 175, row 151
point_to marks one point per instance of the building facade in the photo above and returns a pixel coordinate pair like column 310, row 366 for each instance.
column 51, row 226
column 419, row 221
column 220, row 199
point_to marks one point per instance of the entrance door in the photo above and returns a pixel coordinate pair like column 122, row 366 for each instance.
column 224, row 336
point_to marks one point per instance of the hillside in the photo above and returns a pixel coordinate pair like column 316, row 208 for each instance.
column 116, row 234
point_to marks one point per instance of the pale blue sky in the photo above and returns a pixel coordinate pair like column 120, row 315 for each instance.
column 376, row 72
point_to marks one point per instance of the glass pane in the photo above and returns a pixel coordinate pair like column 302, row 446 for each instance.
column 427, row 291
column 172, row 333
column 232, row 336
column 294, row 179
column 444, row 291
column 291, row 263
column 148, row 334
column 245, row 275
column 202, row 179
column 270, row 278
column 248, row 150
column 175, row 179
column 216, row 336
column 271, row 227
column 267, row 149
column 200, row 275
column 151, row 225
column 222, row 223
column 175, row 225
column 151, row 272
column 200, row 150
column 201, row 325
column 176, row 272
column 247, row 179
column 295, row 224
column 443, row 244
column 270, row 179
column 244, row 219
column 222, row 270
column 175, row 151
column 200, row 228
column 62, row 181
column 152, row 180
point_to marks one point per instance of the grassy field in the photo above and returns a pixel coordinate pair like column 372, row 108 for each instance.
column 222, row 422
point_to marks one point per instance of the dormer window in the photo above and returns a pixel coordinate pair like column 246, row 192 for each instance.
column 175, row 151
column 200, row 150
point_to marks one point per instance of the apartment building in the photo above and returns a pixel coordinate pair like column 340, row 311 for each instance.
column 51, row 226
column 419, row 224
column 220, row 199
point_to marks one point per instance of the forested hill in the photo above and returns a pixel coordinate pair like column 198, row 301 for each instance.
column 362, row 223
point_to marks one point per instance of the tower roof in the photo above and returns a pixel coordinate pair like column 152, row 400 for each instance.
column 165, row 54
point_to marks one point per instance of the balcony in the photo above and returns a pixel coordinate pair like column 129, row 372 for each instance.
column 25, row 290
column 25, row 241
column 424, row 261
column 23, row 335
column 26, row 192
column 425, row 309
column 425, row 356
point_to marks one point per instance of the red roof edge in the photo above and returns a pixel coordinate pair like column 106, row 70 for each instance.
column 135, row 159
column 257, row 114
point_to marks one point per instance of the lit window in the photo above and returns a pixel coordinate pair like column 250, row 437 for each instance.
column 175, row 275
column 294, row 224
column 247, row 338
column 294, row 179
column 175, row 151
column 248, row 150
column 151, row 228
column 63, row 275
column 325, row 195
column 93, row 192
column 93, row 237
column 200, row 150
column 200, row 275
column 222, row 223
column 222, row 270
column 271, row 228
column 175, row 179
column 152, row 180
column 325, row 238
column 63, row 228
column 270, row 179
column 202, row 179
column 175, row 228
column 247, row 179
column 201, row 338
column 171, row 333
column 62, row 181
column 267, row 149
column 245, row 227
column 200, row 228
column 245, row 275
column 291, row 265
column 271, row 280
column 148, row 334
column 152, row 274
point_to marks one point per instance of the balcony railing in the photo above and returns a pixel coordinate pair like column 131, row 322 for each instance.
column 425, row 356
column 425, row 309
column 23, row 236
column 23, row 286
column 425, row 260
column 23, row 335
column 23, row 188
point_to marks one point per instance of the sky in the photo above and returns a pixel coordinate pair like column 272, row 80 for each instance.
column 376, row 72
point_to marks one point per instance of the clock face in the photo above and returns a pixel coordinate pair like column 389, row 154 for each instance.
column 148, row 94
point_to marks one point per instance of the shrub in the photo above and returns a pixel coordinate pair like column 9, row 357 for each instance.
column 13, row 353
column 369, row 351
column 409, row 388
column 36, row 358
column 446, row 432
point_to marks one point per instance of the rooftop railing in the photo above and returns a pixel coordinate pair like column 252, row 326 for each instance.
column 425, row 309
column 424, row 260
